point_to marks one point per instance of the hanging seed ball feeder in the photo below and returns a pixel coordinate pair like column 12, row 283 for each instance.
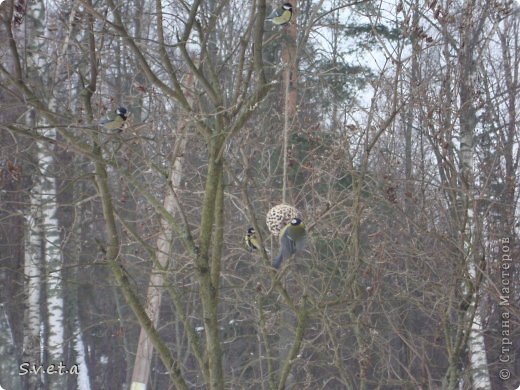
column 279, row 216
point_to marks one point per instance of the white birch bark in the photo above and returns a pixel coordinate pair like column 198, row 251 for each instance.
column 32, row 266
column 37, row 65
column 83, row 379
column 468, row 122
column 79, row 348
column 33, row 260
column 477, row 348
column 52, row 249
column 32, row 274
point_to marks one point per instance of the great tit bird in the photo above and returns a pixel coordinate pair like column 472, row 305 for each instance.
column 292, row 240
column 116, row 120
column 251, row 240
column 281, row 15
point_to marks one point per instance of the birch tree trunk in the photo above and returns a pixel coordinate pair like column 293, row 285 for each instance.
column 52, row 246
column 43, row 200
column 78, row 342
column 468, row 121
column 32, row 268
column 81, row 361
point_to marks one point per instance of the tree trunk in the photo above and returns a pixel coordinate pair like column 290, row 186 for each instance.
column 32, row 268
column 79, row 348
column 468, row 123
column 45, row 198
column 164, row 257
column 290, row 77
column 208, row 262
column 52, row 250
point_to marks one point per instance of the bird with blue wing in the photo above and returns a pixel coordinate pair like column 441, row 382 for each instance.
column 292, row 239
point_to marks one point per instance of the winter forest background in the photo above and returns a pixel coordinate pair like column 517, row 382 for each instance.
column 390, row 125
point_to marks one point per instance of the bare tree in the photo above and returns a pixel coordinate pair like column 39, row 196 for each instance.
column 391, row 127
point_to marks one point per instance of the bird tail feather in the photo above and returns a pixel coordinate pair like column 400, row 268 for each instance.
column 278, row 261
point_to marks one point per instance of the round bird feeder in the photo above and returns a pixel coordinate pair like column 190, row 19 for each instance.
column 279, row 216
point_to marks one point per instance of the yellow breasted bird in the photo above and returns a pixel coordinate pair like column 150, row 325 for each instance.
column 281, row 15
column 292, row 240
column 251, row 240
column 116, row 120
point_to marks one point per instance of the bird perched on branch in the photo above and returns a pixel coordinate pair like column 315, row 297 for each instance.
column 251, row 240
column 292, row 240
column 281, row 15
column 116, row 120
